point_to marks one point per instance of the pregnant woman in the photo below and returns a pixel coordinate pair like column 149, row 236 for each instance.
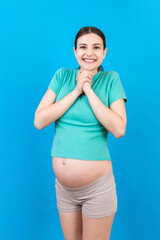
column 85, row 103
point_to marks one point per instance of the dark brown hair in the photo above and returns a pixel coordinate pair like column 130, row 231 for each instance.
column 87, row 30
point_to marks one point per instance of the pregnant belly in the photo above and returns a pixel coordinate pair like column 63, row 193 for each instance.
column 77, row 173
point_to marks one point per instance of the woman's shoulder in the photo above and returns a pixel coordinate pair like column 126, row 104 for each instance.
column 66, row 71
column 110, row 74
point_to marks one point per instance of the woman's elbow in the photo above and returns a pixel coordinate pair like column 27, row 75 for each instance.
column 120, row 135
column 121, row 132
column 37, row 125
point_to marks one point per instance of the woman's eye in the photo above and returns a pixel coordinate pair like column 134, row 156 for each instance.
column 84, row 47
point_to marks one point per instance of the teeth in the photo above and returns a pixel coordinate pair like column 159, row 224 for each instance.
column 87, row 60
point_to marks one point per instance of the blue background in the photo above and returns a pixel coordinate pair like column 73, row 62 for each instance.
column 37, row 38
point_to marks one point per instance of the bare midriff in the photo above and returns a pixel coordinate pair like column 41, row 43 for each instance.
column 77, row 173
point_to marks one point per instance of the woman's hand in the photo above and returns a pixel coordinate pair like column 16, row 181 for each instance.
column 84, row 80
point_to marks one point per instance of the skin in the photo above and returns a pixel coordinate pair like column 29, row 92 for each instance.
column 87, row 49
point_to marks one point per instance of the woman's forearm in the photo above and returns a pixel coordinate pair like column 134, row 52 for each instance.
column 109, row 119
column 53, row 112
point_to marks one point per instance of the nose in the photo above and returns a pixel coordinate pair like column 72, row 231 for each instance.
column 89, row 52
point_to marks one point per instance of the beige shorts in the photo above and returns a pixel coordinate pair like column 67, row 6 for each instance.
column 96, row 199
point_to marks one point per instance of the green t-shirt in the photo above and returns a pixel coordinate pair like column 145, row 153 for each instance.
column 78, row 133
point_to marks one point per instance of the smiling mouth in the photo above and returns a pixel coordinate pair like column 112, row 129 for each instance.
column 89, row 60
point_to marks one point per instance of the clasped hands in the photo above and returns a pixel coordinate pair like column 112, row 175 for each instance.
column 84, row 80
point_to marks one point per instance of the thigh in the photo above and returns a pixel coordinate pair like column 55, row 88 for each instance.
column 97, row 228
column 71, row 223
column 101, row 198
column 70, row 213
column 66, row 200
column 98, row 211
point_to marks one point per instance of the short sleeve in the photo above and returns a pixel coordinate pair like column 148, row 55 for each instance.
column 55, row 81
column 116, row 89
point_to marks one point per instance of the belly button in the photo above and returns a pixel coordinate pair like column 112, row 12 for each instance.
column 63, row 163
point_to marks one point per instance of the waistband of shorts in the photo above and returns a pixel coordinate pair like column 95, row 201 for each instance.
column 107, row 176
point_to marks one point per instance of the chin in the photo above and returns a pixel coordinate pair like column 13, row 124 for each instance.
column 89, row 68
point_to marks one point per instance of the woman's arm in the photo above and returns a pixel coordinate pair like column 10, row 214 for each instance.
column 54, row 111
column 113, row 118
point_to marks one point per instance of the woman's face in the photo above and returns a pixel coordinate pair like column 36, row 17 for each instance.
column 90, row 46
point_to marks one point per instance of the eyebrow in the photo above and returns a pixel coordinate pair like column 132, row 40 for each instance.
column 92, row 44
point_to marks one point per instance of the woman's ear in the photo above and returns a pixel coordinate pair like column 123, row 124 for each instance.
column 74, row 51
column 105, row 51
